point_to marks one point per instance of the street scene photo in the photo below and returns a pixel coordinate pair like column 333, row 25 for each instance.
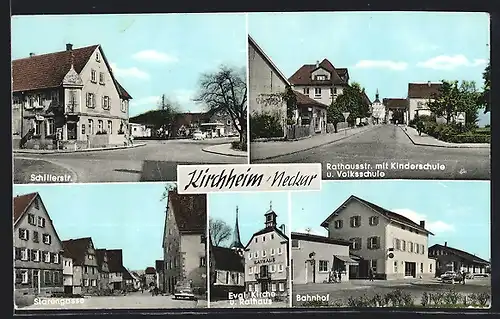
column 249, row 250
column 412, row 244
column 126, row 98
column 123, row 246
column 389, row 98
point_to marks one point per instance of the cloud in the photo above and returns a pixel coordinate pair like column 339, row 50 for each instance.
column 151, row 100
column 131, row 72
column 434, row 226
column 381, row 64
column 312, row 231
column 450, row 62
column 154, row 56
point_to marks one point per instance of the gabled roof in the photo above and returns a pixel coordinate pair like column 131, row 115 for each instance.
column 126, row 274
column 304, row 100
column 384, row 212
column 76, row 249
column 115, row 260
column 150, row 271
column 461, row 254
column 319, row 239
column 227, row 259
column 100, row 254
column 266, row 58
column 21, row 204
column 303, row 75
column 190, row 212
column 266, row 231
column 395, row 103
column 48, row 70
column 423, row 90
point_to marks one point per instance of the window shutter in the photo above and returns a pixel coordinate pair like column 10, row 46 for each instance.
column 30, row 277
column 20, row 233
column 351, row 221
column 27, row 235
column 378, row 242
column 87, row 99
column 109, row 102
column 19, row 277
column 50, row 239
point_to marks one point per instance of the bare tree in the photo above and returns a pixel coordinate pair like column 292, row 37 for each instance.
column 168, row 187
column 219, row 231
column 169, row 111
column 225, row 91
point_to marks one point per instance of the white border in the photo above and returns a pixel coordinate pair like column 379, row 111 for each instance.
column 207, row 259
column 289, row 234
column 247, row 62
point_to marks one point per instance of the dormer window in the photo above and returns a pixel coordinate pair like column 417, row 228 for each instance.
column 320, row 77
column 306, row 91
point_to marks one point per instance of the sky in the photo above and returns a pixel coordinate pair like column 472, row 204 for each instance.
column 128, row 216
column 457, row 212
column 251, row 210
column 150, row 55
column 382, row 50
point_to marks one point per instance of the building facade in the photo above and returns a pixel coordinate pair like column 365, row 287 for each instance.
column 115, row 266
column 67, row 98
column 396, row 110
column 419, row 96
column 452, row 259
column 139, row 130
column 320, row 81
column 103, row 268
column 266, row 259
column 378, row 111
column 318, row 259
column 150, row 276
column 38, row 267
column 160, row 275
column 184, row 242
column 68, row 275
column 389, row 244
column 83, row 253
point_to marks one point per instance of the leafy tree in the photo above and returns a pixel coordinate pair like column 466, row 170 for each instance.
column 351, row 100
column 334, row 114
column 219, row 231
column 290, row 99
column 225, row 91
column 485, row 96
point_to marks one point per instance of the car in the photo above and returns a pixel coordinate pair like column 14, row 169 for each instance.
column 199, row 135
column 451, row 276
column 184, row 291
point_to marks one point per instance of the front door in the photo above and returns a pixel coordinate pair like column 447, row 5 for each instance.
column 410, row 269
column 264, row 286
column 310, row 274
column 71, row 126
column 36, row 281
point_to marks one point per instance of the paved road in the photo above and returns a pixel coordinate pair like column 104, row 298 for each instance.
column 131, row 301
column 156, row 161
column 357, row 288
column 388, row 144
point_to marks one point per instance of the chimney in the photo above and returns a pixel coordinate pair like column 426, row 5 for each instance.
column 317, row 64
column 422, row 224
column 32, row 54
column 69, row 47
column 445, row 244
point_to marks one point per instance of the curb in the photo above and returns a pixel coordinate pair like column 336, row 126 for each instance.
column 306, row 149
column 74, row 175
column 442, row 146
column 97, row 149
column 207, row 150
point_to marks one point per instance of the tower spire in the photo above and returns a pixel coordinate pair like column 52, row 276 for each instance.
column 236, row 244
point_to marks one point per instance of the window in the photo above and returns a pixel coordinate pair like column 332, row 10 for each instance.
column 46, row 239
column 39, row 101
column 227, row 277
column 264, row 253
column 110, row 130
column 374, row 242
column 421, row 267
column 124, row 106
column 106, row 102
column 91, row 257
column 93, row 76
column 355, row 221
column 317, row 91
column 56, row 258
column 273, row 251
column 31, row 219
column 41, row 220
column 334, row 91
column 338, row 224
column 273, row 287
column 249, row 255
column 202, row 262
column 264, row 238
column 94, row 282
column 250, row 287
column 101, row 78
column 295, row 243
column 403, row 245
column 46, row 257
column 86, row 269
column 37, row 127
column 373, row 264
column 272, row 236
column 24, row 254
column 99, row 126
column 306, row 91
column 256, row 239
column 54, row 96
column 417, row 248
column 410, row 247
column 250, row 270
column 320, row 77
column 36, row 237
column 36, row 255
column 280, row 268
column 272, row 268
column 97, row 57
column 281, row 286
column 373, row 220
column 422, row 249
column 24, row 276
column 355, row 243
column 256, row 254
column 50, row 127
column 90, row 100
column 24, row 234
column 86, row 282
column 280, row 251
column 430, row 267
column 397, row 244
column 323, row 265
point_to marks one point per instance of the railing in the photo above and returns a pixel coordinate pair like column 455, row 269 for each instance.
column 263, row 276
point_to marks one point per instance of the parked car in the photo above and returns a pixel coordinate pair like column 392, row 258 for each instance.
column 451, row 276
column 184, row 291
column 199, row 135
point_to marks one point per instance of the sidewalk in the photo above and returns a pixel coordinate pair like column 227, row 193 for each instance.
column 272, row 149
column 224, row 149
column 33, row 151
column 426, row 140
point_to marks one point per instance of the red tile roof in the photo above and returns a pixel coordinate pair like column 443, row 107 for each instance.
column 21, row 204
column 76, row 249
column 150, row 271
column 395, row 103
column 460, row 253
column 303, row 75
column 115, row 260
column 423, row 90
column 304, row 100
column 48, row 70
column 227, row 259
column 190, row 211
column 100, row 254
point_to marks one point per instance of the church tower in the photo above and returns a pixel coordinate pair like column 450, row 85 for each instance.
column 236, row 244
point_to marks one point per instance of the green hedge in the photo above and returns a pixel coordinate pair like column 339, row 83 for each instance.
column 469, row 138
column 239, row 146
column 265, row 126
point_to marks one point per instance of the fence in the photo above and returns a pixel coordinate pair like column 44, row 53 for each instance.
column 330, row 128
column 297, row 131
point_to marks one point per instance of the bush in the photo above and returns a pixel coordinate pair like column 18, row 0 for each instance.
column 469, row 138
column 239, row 146
column 483, row 131
column 451, row 297
column 265, row 126
column 24, row 300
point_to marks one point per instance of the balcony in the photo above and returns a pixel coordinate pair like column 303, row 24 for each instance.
column 263, row 276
